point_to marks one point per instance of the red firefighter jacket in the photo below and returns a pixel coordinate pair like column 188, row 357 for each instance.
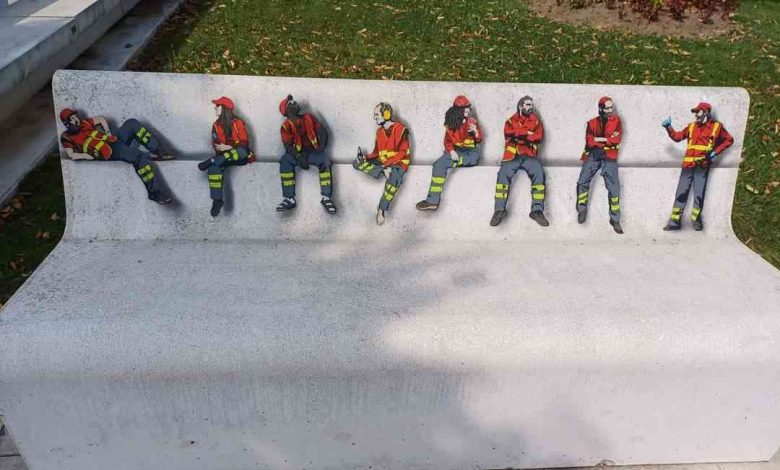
column 612, row 131
column 238, row 138
column 301, row 134
column 518, row 139
column 89, row 140
column 460, row 137
column 392, row 146
column 702, row 139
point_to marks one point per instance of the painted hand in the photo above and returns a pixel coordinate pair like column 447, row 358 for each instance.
column 453, row 155
column 667, row 122
column 387, row 172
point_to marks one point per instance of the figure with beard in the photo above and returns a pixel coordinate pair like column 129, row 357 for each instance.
column 707, row 138
column 390, row 158
column 92, row 139
column 305, row 140
column 230, row 141
column 603, row 135
column 461, row 137
column 523, row 132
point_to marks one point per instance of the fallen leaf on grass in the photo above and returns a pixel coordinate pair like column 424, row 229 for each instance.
column 751, row 189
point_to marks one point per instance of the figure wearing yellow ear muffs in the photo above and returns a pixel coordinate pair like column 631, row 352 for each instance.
column 390, row 158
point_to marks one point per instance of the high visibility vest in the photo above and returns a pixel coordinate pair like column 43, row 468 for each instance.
column 522, row 147
column 235, row 134
column 310, row 127
column 696, row 152
column 91, row 141
column 461, row 137
column 387, row 145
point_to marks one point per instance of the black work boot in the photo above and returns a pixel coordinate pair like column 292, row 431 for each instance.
column 698, row 224
column 216, row 206
column 159, row 197
column 424, row 205
column 539, row 218
column 671, row 227
column 582, row 216
column 205, row 164
column 616, row 226
column 498, row 216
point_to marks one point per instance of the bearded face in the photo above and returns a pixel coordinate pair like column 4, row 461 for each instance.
column 607, row 109
column 378, row 116
column 527, row 107
column 702, row 116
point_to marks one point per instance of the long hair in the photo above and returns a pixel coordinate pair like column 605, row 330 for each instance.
column 453, row 118
column 226, row 122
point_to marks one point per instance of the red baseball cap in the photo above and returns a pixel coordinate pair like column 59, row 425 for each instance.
column 603, row 100
column 283, row 105
column 702, row 105
column 66, row 113
column 224, row 101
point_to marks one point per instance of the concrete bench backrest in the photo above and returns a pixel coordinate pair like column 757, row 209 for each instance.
column 106, row 201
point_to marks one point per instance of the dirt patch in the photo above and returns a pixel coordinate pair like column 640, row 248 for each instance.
column 599, row 16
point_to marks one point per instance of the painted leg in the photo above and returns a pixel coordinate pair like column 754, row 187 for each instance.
column 438, row 176
column 287, row 174
column 325, row 169
column 372, row 168
column 612, row 182
column 700, row 176
column 533, row 167
column 589, row 169
column 680, row 199
column 506, row 172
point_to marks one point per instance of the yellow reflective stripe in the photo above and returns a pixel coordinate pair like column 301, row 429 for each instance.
column 99, row 145
column 538, row 196
column 502, row 186
column 405, row 161
column 144, row 169
column 675, row 216
column 438, row 179
column 288, row 183
column 695, row 213
column 538, row 187
column 511, row 149
column 324, row 182
column 391, row 188
column 436, row 189
column 690, row 130
column 615, row 199
column 298, row 147
column 216, row 184
column 615, row 208
column 215, row 177
column 698, row 147
column 502, row 195
column 389, row 196
column 287, row 175
column 234, row 153
column 676, row 210
column 324, row 174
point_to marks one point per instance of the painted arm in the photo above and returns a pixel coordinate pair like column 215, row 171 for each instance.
column 74, row 155
column 724, row 139
column 449, row 145
column 590, row 138
column 402, row 152
column 617, row 135
column 536, row 134
column 243, row 136
column 676, row 136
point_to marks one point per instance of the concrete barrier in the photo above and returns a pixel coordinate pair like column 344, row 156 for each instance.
column 158, row 337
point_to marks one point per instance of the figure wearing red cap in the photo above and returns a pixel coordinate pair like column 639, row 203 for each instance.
column 461, row 137
column 707, row 138
column 390, row 158
column 304, row 140
column 230, row 141
column 603, row 135
column 92, row 139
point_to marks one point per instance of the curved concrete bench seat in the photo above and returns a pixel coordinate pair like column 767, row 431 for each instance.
column 159, row 337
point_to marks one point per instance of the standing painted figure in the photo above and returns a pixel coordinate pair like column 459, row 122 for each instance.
column 707, row 138
column 603, row 135
column 305, row 140
column 91, row 139
column 231, row 144
column 523, row 133
column 390, row 158
column 461, row 137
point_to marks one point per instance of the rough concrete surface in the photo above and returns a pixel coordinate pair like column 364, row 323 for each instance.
column 158, row 337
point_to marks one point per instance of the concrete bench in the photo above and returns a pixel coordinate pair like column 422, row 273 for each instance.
column 159, row 337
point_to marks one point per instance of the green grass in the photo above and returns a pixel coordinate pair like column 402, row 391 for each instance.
column 496, row 41
column 449, row 40
column 31, row 225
